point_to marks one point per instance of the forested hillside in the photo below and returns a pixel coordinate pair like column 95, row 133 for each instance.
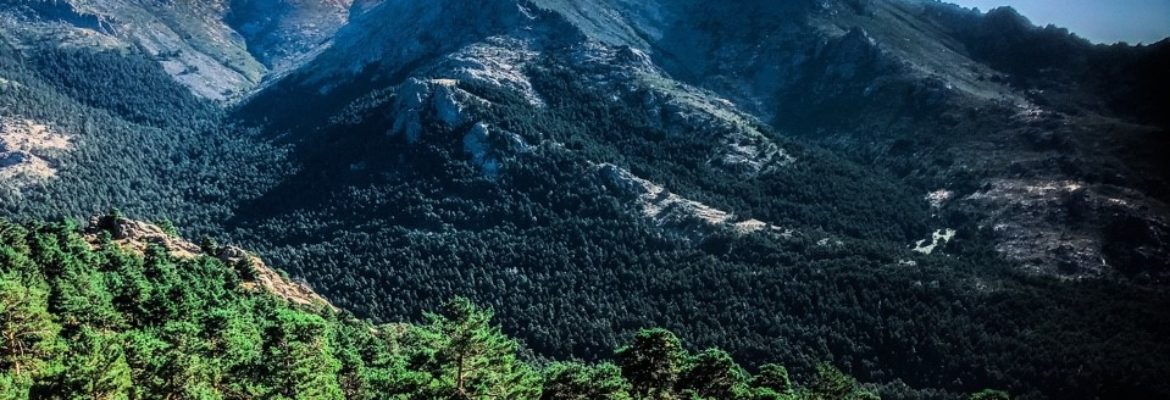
column 569, row 258
column 108, row 313
column 927, row 198
column 124, row 120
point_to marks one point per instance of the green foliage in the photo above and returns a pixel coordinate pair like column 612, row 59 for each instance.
column 28, row 334
column 571, row 266
column 305, row 367
column 576, row 381
column 140, row 141
column 774, row 378
column 653, row 362
column 832, row 384
column 713, row 374
column 168, row 227
column 161, row 326
column 95, row 365
column 989, row 394
column 471, row 359
column 386, row 229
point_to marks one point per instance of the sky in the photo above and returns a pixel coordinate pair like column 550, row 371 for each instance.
column 1101, row 21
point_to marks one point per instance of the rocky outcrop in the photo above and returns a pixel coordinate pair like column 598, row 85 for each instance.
column 477, row 144
column 743, row 149
column 497, row 63
column 29, row 152
column 1074, row 229
column 396, row 36
column 138, row 236
column 691, row 219
column 259, row 276
column 936, row 241
column 419, row 100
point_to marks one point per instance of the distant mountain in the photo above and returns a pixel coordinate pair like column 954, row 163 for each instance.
column 915, row 190
column 220, row 49
column 924, row 89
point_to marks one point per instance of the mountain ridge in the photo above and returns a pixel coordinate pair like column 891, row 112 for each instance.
column 880, row 183
column 853, row 60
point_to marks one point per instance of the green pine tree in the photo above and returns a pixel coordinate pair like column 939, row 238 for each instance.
column 713, row 374
column 652, row 363
column 28, row 335
column 576, row 381
column 475, row 360
column 302, row 355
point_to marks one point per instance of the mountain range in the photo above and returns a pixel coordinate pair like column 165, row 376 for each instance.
column 935, row 199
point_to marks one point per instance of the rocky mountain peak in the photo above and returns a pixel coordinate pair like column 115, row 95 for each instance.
column 402, row 34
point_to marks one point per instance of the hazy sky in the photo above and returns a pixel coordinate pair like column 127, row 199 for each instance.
column 1102, row 21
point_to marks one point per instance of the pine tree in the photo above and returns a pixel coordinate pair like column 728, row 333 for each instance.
column 28, row 335
column 773, row 381
column 576, row 381
column 832, row 384
column 303, row 357
column 94, row 367
column 653, row 362
column 475, row 360
column 713, row 374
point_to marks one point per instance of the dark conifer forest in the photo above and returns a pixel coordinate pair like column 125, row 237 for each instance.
column 602, row 199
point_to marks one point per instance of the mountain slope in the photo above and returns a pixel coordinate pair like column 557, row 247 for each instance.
column 578, row 183
column 893, row 78
column 279, row 33
column 125, row 310
column 872, row 182
column 110, row 129
column 188, row 39
column 878, row 79
column 219, row 49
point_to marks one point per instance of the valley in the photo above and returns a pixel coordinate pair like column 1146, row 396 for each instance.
column 933, row 200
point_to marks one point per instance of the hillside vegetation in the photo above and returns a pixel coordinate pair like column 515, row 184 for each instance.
column 573, row 265
column 105, row 314
column 929, row 199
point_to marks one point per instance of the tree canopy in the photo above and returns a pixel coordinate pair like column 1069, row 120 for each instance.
column 85, row 316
